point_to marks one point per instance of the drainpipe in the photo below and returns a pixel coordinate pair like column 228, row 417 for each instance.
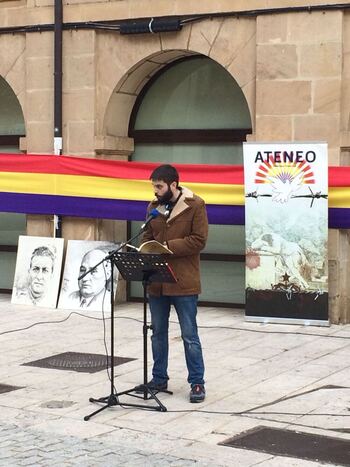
column 57, row 140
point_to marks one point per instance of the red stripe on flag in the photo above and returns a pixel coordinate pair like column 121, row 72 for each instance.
column 200, row 173
column 64, row 165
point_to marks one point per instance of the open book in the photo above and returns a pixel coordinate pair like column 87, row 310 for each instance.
column 152, row 246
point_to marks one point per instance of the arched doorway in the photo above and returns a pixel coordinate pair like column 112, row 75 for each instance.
column 11, row 225
column 193, row 111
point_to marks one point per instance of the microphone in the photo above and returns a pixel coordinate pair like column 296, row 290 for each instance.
column 167, row 211
column 152, row 215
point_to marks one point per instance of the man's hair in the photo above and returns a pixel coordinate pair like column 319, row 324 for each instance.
column 43, row 251
column 165, row 173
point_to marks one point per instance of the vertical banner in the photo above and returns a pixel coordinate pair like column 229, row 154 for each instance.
column 286, row 222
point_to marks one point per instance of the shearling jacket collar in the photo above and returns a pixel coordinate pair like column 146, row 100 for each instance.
column 180, row 206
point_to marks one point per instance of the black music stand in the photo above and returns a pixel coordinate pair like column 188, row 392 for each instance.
column 146, row 268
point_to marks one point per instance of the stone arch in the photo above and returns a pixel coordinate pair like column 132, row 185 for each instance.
column 129, row 87
column 11, row 113
column 231, row 42
column 12, row 65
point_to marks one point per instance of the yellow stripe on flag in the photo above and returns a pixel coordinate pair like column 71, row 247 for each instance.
column 110, row 188
column 339, row 197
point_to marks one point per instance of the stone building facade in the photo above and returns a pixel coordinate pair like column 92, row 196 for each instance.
column 292, row 65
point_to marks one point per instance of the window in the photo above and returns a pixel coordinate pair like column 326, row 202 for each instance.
column 11, row 225
column 193, row 111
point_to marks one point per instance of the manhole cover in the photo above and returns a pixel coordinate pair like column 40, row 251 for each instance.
column 6, row 388
column 293, row 444
column 76, row 361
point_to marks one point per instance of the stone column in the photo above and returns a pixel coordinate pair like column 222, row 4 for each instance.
column 39, row 111
column 79, row 115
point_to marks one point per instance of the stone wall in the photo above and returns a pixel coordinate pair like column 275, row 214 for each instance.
column 40, row 11
column 301, row 96
column 293, row 68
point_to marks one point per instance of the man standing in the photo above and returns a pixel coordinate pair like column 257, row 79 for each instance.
column 183, row 226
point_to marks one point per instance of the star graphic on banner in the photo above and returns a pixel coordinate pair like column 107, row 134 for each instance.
column 285, row 277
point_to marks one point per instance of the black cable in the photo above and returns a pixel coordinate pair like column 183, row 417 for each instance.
column 244, row 413
column 115, row 24
column 49, row 322
column 109, row 375
column 274, row 332
column 247, row 413
column 175, row 322
column 105, row 333
column 299, row 424
column 297, row 414
column 249, row 330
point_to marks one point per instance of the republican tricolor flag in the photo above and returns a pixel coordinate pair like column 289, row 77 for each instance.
column 95, row 188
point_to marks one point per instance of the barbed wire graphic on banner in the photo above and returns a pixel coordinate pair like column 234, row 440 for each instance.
column 285, row 180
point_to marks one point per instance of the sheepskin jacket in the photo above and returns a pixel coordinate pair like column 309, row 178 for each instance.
column 185, row 233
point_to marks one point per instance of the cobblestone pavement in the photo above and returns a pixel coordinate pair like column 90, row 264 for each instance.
column 26, row 447
column 281, row 376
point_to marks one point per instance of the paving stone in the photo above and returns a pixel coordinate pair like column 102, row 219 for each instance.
column 252, row 368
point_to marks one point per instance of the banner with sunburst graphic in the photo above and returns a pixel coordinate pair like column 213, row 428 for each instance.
column 286, row 222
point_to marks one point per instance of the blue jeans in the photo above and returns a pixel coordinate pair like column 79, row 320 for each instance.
column 186, row 309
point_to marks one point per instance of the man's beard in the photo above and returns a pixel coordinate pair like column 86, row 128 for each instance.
column 164, row 199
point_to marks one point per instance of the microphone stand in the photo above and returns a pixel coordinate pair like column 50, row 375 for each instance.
column 112, row 398
column 109, row 257
column 111, row 254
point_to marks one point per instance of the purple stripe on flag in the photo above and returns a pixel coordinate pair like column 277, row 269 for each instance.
column 225, row 215
column 73, row 206
column 102, row 208
column 339, row 218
